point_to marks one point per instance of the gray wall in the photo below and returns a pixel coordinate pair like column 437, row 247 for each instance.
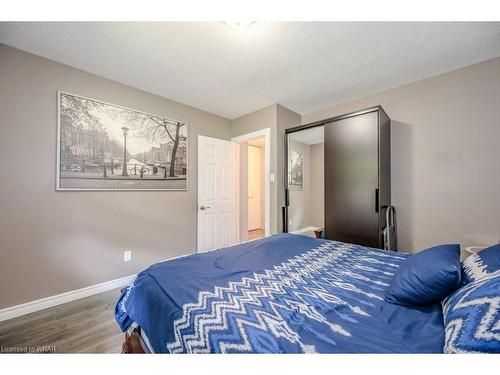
column 445, row 155
column 53, row 242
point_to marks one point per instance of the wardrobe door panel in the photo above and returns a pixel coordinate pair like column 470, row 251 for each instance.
column 351, row 180
column 305, row 178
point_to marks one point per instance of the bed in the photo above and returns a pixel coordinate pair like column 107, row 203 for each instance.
column 282, row 294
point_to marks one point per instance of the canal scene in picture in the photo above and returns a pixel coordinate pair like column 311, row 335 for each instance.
column 107, row 147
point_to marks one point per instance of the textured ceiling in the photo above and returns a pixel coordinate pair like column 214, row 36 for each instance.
column 303, row 66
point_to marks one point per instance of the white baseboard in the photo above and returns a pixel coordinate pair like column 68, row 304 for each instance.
column 45, row 303
column 304, row 230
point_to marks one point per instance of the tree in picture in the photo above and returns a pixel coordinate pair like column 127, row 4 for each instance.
column 151, row 128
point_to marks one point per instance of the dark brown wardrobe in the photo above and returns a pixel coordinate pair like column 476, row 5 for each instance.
column 356, row 176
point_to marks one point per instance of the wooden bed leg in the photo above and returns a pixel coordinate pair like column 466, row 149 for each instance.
column 132, row 343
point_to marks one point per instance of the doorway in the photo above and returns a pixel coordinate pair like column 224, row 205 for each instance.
column 255, row 188
column 254, row 184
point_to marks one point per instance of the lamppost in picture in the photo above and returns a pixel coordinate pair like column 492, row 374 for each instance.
column 125, row 131
column 103, row 138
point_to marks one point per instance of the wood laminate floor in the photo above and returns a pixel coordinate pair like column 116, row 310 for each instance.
column 256, row 233
column 83, row 326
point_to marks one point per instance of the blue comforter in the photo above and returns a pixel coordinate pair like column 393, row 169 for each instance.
column 282, row 294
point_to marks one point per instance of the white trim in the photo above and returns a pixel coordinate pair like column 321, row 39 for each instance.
column 238, row 191
column 59, row 299
column 304, row 230
column 266, row 133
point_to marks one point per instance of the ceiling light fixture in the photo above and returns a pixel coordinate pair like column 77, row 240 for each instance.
column 240, row 25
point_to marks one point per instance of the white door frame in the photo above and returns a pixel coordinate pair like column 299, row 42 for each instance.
column 266, row 133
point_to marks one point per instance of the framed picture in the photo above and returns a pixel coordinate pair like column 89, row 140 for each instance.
column 102, row 146
column 295, row 170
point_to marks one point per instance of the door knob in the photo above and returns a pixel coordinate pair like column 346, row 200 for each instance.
column 203, row 208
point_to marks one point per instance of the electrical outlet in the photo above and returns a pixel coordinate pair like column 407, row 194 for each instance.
column 290, row 222
column 127, row 256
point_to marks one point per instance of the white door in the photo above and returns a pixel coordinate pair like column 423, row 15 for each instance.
column 255, row 185
column 217, row 193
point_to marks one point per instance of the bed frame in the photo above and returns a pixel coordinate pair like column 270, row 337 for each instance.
column 134, row 343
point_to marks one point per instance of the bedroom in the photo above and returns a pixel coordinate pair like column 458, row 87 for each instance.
column 249, row 187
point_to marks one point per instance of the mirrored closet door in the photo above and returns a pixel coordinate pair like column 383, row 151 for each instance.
column 305, row 180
